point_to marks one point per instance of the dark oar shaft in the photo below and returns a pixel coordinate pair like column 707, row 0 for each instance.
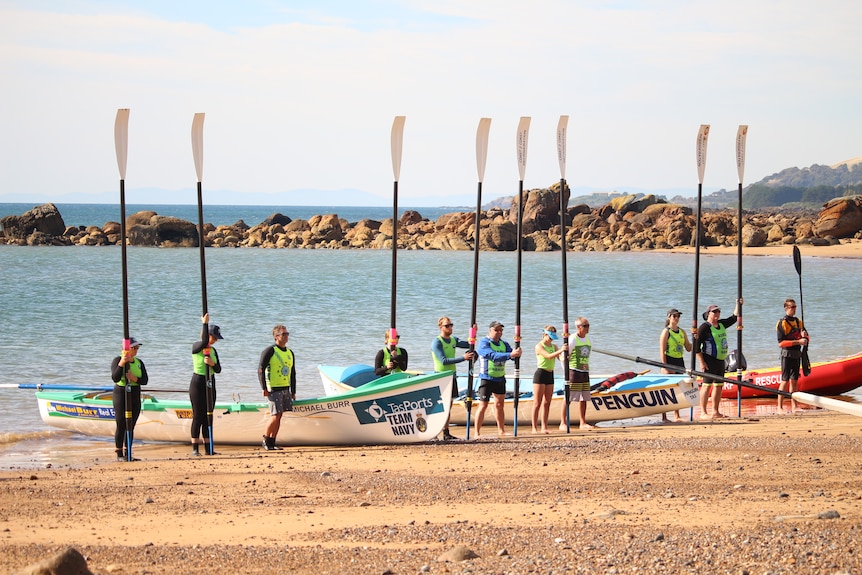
column 127, row 395
column 739, row 355
column 563, row 250
column 393, row 296
column 468, row 401
column 696, row 274
column 517, row 337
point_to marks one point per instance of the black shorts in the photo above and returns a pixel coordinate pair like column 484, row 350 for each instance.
column 454, row 385
column 543, row 377
column 488, row 388
column 790, row 368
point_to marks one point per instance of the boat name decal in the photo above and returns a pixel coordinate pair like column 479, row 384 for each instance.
column 405, row 413
column 313, row 407
column 81, row 411
column 184, row 413
column 651, row 398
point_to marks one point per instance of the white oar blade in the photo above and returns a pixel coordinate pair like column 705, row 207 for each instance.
column 482, row 146
column 121, row 139
column 523, row 133
column 741, row 134
column 828, row 403
column 562, row 126
column 702, row 136
column 198, row 144
column 397, row 143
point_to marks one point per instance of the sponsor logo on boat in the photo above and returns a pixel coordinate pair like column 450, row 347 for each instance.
column 636, row 400
column 79, row 411
column 405, row 413
column 184, row 413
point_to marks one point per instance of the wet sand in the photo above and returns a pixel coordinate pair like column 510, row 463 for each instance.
column 758, row 494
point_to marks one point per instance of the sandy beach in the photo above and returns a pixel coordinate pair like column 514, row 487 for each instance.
column 772, row 494
column 846, row 249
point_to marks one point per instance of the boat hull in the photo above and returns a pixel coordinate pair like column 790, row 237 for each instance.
column 643, row 395
column 408, row 410
column 826, row 378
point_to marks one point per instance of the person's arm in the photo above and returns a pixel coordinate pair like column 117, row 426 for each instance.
column 217, row 364
column 687, row 341
column 379, row 369
column 144, row 377
column 400, row 360
column 540, row 350
column 262, row 367
column 703, row 333
column 116, row 370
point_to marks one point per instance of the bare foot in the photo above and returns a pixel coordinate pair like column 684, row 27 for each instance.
column 563, row 427
column 503, row 433
column 718, row 415
column 586, row 426
column 546, row 431
column 535, row 431
column 705, row 417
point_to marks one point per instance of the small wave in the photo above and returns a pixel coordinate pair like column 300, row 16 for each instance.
column 12, row 437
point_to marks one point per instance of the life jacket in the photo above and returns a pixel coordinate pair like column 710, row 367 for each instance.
column 280, row 368
column 448, row 352
column 200, row 367
column 718, row 347
column 134, row 369
column 494, row 369
column 790, row 327
column 675, row 343
column 387, row 355
column 579, row 359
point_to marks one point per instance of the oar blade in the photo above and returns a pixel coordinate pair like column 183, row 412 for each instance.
column 397, row 138
column 562, row 126
column 522, row 136
column 797, row 260
column 121, row 139
column 741, row 135
column 702, row 137
column 482, row 146
column 198, row 144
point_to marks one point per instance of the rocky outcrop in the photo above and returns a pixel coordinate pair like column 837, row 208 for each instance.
column 626, row 223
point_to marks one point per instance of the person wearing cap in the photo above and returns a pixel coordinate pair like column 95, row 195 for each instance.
column 711, row 346
column 547, row 354
column 493, row 354
column 276, row 374
column 443, row 355
column 206, row 364
column 390, row 359
column 792, row 337
column 127, row 370
column 579, row 373
column 672, row 342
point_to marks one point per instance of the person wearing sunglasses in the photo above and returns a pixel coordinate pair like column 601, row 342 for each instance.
column 711, row 347
column 673, row 343
column 493, row 354
column 127, row 370
column 579, row 373
column 547, row 355
column 276, row 374
column 391, row 358
column 443, row 353
column 205, row 364
column 792, row 336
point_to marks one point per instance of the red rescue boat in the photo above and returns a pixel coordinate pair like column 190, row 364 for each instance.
column 827, row 378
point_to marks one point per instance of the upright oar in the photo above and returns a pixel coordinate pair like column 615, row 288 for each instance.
column 741, row 134
column 521, row 144
column 700, row 153
column 121, row 142
column 562, row 126
column 481, row 156
column 797, row 262
column 198, row 153
column 397, row 138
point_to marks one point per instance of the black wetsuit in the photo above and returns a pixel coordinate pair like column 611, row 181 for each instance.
column 119, row 399
column 198, row 388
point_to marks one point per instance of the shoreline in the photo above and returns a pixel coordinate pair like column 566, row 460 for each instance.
column 776, row 493
column 847, row 249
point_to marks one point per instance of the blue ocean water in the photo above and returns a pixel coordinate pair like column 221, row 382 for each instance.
column 62, row 310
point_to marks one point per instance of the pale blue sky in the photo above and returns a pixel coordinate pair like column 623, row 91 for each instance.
column 302, row 94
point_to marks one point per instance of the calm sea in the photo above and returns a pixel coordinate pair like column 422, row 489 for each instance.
column 61, row 312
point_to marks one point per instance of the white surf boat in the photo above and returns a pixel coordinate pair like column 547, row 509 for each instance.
column 391, row 410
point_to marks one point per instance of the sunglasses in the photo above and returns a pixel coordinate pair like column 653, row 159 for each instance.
column 582, row 325
column 282, row 333
column 715, row 311
column 447, row 325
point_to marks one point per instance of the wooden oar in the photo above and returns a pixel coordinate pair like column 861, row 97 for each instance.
column 741, row 134
column 396, row 141
column 700, row 155
column 481, row 157
column 797, row 261
column 801, row 397
column 121, row 143
column 562, row 126
column 521, row 144
column 198, row 153
column 74, row 387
